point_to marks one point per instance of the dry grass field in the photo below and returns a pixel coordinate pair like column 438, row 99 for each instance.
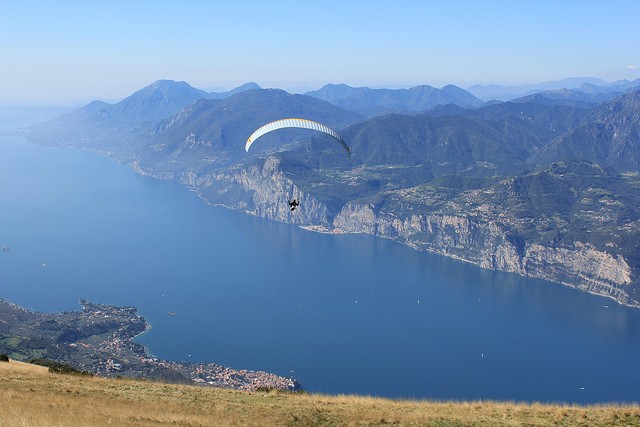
column 32, row 396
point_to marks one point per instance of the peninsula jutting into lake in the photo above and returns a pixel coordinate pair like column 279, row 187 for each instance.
column 100, row 340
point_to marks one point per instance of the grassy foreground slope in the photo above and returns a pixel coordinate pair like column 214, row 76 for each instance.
column 32, row 396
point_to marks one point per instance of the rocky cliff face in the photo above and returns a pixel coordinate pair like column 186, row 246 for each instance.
column 264, row 191
column 261, row 189
column 488, row 245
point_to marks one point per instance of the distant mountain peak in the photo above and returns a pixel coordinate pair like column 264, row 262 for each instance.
column 242, row 88
column 167, row 82
column 246, row 86
column 156, row 101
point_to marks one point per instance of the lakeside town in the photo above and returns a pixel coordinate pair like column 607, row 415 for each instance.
column 99, row 339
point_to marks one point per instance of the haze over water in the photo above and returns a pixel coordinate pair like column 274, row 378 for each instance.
column 342, row 314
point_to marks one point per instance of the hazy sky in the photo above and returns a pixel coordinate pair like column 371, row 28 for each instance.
column 69, row 52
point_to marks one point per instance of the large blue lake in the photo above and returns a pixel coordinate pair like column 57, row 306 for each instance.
column 343, row 314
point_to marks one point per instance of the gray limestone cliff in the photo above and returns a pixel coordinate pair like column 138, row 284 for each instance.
column 487, row 244
column 261, row 189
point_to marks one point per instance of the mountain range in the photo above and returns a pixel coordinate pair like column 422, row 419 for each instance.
column 543, row 186
column 587, row 85
column 376, row 102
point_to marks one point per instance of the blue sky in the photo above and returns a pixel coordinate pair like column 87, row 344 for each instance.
column 70, row 52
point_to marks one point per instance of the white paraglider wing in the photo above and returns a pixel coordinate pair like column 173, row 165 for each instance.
column 295, row 123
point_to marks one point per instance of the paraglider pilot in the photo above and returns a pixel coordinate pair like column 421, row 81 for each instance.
column 293, row 204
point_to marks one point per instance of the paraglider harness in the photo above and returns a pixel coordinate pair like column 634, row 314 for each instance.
column 293, row 204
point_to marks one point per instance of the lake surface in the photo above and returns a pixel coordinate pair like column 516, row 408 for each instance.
column 342, row 314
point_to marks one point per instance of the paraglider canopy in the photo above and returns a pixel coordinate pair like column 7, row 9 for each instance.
column 295, row 123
